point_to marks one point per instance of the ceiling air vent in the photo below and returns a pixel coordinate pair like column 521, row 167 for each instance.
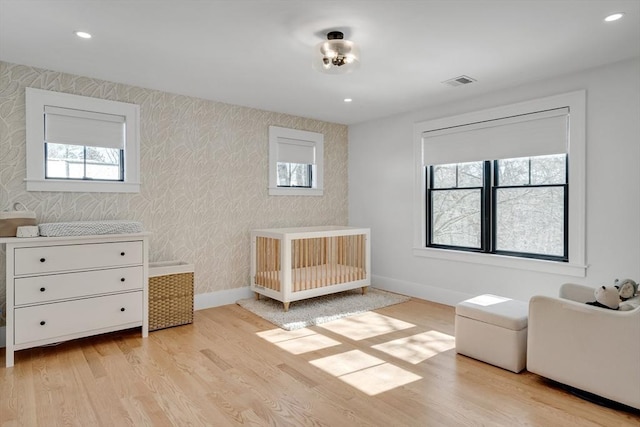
column 459, row 81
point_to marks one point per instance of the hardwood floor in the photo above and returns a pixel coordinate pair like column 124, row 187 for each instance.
column 392, row 367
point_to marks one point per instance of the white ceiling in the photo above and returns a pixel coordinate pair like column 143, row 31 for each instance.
column 257, row 53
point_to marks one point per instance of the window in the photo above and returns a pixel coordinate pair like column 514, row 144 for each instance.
column 456, row 207
column 295, row 175
column 529, row 207
column 295, row 162
column 512, row 207
column 77, row 143
column 492, row 187
column 83, row 145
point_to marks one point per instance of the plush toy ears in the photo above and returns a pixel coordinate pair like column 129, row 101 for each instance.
column 627, row 288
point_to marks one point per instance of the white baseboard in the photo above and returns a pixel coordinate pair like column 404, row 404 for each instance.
column 419, row 290
column 216, row 299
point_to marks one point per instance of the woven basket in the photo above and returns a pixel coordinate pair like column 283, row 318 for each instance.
column 11, row 220
column 170, row 299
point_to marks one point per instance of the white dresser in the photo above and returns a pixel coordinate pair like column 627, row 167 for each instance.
column 61, row 288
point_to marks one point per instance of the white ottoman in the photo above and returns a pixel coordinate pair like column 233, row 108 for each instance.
column 493, row 329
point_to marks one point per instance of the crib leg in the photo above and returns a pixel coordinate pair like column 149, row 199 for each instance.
column 286, row 306
column 364, row 290
column 257, row 296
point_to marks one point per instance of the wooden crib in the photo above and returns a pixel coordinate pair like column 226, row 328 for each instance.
column 290, row 264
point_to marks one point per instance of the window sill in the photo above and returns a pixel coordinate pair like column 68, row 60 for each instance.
column 544, row 266
column 284, row 191
column 82, row 186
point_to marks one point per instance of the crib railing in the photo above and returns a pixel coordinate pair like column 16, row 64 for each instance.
column 315, row 262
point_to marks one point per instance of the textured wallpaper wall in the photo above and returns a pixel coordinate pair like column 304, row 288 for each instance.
column 204, row 173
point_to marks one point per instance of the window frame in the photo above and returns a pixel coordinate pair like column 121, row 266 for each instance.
column 576, row 173
column 483, row 210
column 489, row 212
column 316, row 140
column 36, row 180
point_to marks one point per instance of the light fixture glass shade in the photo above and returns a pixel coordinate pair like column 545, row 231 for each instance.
column 336, row 56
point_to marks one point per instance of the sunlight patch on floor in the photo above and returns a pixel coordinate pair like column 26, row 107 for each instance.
column 364, row 372
column 366, row 325
column 344, row 363
column 299, row 341
column 378, row 379
column 418, row 348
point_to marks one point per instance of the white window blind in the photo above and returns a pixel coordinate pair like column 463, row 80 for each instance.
column 296, row 151
column 535, row 134
column 86, row 128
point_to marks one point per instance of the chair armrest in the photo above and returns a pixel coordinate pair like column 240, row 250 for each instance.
column 578, row 293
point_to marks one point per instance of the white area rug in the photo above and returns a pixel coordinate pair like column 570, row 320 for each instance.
column 314, row 311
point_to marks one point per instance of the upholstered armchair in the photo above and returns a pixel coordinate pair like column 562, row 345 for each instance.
column 586, row 347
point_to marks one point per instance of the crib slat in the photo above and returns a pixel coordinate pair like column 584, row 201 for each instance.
column 308, row 263
column 300, row 265
column 296, row 265
column 360, row 244
column 272, row 264
column 260, row 278
column 359, row 257
column 312, row 267
column 352, row 257
column 315, row 263
column 324, row 261
column 356, row 262
column 275, row 272
column 269, row 262
column 268, row 255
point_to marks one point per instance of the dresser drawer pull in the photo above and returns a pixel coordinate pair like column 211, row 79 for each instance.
column 42, row 323
column 122, row 279
column 42, row 259
column 122, row 309
column 121, row 253
column 43, row 289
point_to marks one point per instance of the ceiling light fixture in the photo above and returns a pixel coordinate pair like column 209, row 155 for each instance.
column 82, row 34
column 336, row 55
column 614, row 17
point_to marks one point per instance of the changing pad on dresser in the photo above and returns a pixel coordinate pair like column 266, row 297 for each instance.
column 85, row 228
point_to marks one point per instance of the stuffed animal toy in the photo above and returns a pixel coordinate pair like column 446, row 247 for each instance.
column 606, row 297
column 627, row 288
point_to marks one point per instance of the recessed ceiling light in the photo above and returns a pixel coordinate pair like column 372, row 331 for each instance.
column 82, row 34
column 348, row 100
column 614, row 17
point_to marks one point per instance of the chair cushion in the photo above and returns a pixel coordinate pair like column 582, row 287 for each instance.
column 500, row 311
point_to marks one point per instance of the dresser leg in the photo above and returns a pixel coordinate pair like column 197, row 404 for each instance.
column 9, row 357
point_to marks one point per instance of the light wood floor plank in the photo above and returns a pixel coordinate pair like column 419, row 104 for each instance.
column 232, row 368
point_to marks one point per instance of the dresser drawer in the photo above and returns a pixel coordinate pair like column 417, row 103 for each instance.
column 39, row 289
column 49, row 321
column 47, row 259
